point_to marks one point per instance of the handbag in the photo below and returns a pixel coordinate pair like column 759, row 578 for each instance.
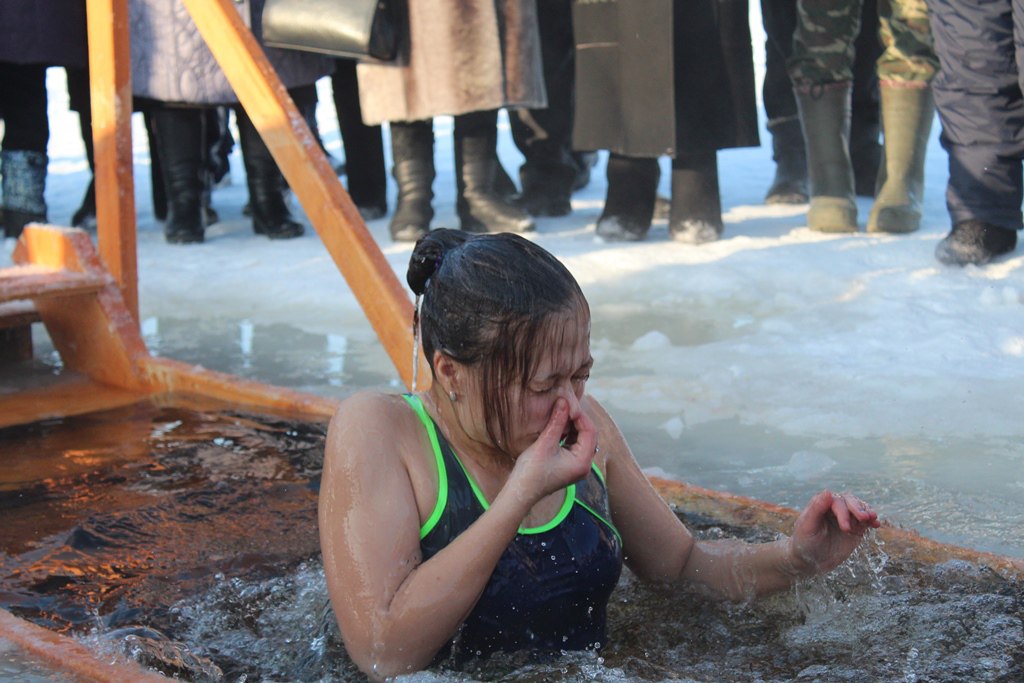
column 341, row 28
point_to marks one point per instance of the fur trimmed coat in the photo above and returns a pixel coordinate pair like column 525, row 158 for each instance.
column 171, row 62
column 455, row 57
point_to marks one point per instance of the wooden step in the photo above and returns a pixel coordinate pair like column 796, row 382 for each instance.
column 29, row 395
column 34, row 282
column 18, row 314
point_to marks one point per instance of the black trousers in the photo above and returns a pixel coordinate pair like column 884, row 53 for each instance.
column 979, row 94
column 23, row 107
column 364, row 147
column 544, row 136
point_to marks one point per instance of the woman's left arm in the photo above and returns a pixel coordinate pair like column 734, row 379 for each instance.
column 657, row 546
column 825, row 533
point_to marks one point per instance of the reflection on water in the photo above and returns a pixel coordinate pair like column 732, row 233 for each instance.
column 187, row 541
column 959, row 490
column 15, row 667
column 279, row 354
column 919, row 484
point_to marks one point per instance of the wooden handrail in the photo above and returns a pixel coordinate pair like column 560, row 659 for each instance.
column 35, row 282
column 111, row 95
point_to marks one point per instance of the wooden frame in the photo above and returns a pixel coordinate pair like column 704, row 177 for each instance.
column 292, row 144
column 116, row 360
column 89, row 302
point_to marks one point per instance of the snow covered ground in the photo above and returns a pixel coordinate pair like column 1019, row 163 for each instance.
column 772, row 363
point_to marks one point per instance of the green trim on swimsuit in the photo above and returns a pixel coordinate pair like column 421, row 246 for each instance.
column 442, row 476
column 606, row 522
column 442, row 471
column 563, row 512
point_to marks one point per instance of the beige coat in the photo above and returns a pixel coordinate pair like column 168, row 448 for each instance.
column 455, row 59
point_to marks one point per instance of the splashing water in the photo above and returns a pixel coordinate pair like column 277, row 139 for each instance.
column 187, row 541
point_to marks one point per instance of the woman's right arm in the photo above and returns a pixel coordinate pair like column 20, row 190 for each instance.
column 394, row 610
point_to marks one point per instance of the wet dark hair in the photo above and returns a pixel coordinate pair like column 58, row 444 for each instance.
column 492, row 301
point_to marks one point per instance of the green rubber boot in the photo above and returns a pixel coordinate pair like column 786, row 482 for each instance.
column 825, row 115
column 907, row 115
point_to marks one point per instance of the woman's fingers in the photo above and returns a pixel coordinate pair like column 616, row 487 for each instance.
column 853, row 514
column 586, row 435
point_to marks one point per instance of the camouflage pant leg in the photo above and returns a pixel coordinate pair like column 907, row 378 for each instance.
column 823, row 41
column 909, row 55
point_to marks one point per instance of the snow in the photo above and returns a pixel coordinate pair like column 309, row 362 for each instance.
column 772, row 363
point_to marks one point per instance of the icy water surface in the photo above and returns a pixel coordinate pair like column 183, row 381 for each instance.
column 187, row 541
column 964, row 489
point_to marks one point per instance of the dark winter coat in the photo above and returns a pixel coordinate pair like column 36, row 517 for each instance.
column 50, row 32
column 655, row 77
column 457, row 56
column 171, row 63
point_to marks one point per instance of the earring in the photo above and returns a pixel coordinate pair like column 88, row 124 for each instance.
column 452, row 396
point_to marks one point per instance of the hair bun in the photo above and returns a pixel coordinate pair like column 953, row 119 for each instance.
column 429, row 253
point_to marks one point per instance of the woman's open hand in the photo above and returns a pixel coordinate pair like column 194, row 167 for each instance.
column 828, row 530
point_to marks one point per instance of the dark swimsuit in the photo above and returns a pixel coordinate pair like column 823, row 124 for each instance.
column 550, row 588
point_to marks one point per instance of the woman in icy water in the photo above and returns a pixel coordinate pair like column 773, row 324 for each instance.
column 493, row 512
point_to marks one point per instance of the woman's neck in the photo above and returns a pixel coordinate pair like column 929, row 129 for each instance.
column 469, row 441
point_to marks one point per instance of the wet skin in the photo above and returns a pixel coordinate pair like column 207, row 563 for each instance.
column 380, row 484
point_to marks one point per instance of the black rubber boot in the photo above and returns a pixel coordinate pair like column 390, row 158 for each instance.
column 24, row 184
column 975, row 242
column 825, row 115
column 790, row 155
column 479, row 205
column 178, row 137
column 504, row 187
column 695, row 216
column 547, row 188
column 156, row 177
column 584, row 163
column 629, row 202
column 270, row 213
column 412, row 148
column 907, row 115
column 85, row 215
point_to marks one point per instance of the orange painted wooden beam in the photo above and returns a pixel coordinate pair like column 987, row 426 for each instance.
column 744, row 511
column 73, row 659
column 111, row 93
column 383, row 298
column 184, row 379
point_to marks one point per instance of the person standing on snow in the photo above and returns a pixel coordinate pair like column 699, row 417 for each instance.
column 978, row 95
column 32, row 39
column 820, row 68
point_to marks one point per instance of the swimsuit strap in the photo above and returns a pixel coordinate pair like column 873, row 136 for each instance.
column 442, row 482
column 442, row 471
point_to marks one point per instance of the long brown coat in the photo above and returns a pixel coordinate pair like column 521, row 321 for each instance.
column 457, row 56
column 658, row 77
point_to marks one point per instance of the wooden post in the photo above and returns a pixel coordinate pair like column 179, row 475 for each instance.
column 111, row 94
column 298, row 154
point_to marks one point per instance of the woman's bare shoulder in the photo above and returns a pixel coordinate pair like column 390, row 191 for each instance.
column 376, row 404
column 368, row 420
